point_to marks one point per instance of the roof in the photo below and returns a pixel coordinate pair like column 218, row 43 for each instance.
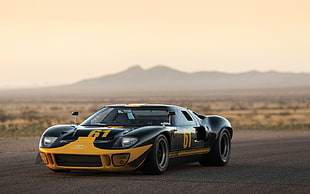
column 142, row 105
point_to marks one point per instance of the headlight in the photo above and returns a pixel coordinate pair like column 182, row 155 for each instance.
column 47, row 141
column 129, row 141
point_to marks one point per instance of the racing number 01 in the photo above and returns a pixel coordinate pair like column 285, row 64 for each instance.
column 187, row 139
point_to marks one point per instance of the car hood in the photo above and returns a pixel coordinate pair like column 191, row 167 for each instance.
column 104, row 137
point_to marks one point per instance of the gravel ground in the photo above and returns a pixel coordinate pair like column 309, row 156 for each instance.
column 261, row 162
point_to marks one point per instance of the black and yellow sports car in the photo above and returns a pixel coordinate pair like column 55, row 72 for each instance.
column 137, row 136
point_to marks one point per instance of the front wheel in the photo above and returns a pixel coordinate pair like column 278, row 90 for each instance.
column 220, row 153
column 158, row 159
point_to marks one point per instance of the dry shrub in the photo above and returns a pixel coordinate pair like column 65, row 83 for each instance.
column 31, row 117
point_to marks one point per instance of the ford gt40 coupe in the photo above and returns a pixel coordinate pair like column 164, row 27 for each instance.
column 137, row 136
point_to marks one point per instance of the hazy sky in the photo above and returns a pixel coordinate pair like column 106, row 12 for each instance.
column 48, row 42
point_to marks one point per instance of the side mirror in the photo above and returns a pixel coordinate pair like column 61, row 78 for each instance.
column 75, row 114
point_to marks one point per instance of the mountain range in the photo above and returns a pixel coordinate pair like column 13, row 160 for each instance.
column 166, row 79
column 162, row 78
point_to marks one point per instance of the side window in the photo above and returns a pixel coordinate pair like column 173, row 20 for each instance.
column 187, row 116
column 183, row 118
column 195, row 117
column 179, row 119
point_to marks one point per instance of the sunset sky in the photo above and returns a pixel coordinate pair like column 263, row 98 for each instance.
column 44, row 42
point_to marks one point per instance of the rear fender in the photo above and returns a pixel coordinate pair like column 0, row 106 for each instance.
column 216, row 124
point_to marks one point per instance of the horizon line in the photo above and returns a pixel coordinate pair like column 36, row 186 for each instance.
column 40, row 85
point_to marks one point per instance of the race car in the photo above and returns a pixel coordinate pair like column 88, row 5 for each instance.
column 146, row 137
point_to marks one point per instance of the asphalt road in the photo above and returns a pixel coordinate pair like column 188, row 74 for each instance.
column 277, row 164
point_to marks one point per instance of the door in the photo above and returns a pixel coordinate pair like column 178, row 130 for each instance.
column 185, row 132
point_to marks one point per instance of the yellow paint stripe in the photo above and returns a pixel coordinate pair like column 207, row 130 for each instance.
column 85, row 146
column 133, row 105
column 188, row 152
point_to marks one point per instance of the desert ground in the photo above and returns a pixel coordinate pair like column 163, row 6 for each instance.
column 268, row 109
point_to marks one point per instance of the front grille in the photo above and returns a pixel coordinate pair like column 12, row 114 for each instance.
column 78, row 160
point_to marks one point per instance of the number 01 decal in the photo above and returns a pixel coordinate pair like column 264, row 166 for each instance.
column 187, row 139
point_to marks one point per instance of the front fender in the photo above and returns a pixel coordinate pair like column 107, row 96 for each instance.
column 148, row 134
column 58, row 131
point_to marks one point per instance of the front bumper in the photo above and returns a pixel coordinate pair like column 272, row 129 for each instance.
column 82, row 154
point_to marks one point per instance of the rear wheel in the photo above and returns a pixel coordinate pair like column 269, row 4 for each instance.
column 158, row 159
column 220, row 153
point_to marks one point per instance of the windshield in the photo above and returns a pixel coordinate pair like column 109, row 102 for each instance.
column 125, row 116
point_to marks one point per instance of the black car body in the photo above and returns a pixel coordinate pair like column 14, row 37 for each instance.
column 137, row 136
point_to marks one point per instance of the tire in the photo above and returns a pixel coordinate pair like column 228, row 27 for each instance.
column 220, row 153
column 158, row 159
